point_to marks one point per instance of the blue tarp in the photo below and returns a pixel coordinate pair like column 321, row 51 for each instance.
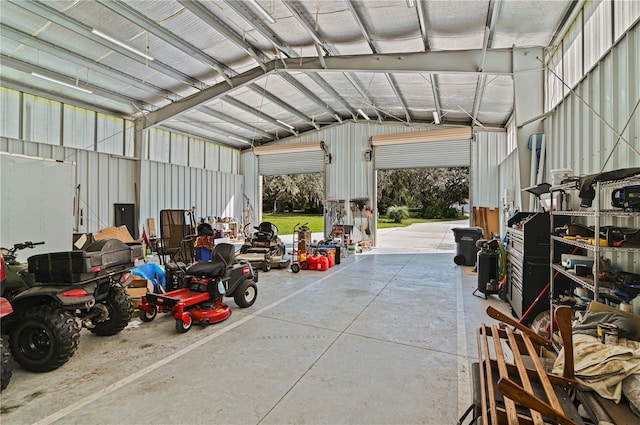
column 154, row 273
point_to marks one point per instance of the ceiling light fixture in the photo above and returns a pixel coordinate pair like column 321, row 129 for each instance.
column 121, row 44
column 237, row 139
column 411, row 3
column 365, row 116
column 286, row 125
column 262, row 11
column 436, row 117
column 53, row 80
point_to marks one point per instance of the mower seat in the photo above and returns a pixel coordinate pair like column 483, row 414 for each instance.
column 213, row 269
column 223, row 255
column 266, row 232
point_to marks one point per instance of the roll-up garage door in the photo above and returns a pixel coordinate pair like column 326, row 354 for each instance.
column 298, row 158
column 435, row 148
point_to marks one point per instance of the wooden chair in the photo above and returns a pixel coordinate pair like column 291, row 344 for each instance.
column 514, row 386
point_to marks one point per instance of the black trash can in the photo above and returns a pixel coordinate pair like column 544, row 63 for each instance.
column 466, row 250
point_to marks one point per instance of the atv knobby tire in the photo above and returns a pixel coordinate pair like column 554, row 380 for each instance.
column 6, row 366
column 44, row 338
column 120, row 307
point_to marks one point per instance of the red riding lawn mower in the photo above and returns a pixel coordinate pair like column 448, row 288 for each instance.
column 205, row 285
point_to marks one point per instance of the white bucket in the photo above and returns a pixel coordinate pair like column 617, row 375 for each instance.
column 560, row 174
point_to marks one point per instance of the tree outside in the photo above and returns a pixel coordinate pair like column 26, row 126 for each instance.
column 426, row 193
column 429, row 192
column 289, row 193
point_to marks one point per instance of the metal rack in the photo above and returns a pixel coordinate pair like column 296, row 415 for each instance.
column 592, row 284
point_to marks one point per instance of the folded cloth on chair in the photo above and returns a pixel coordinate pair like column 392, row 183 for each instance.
column 602, row 367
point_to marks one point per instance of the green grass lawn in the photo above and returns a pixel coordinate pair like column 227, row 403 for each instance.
column 285, row 222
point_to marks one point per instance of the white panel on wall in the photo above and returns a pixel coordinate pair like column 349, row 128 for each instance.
column 129, row 133
column 159, row 145
column 179, row 149
column 212, row 157
column 626, row 13
column 555, row 88
column 41, row 120
column 9, row 113
column 37, row 202
column 572, row 71
column 487, row 152
column 226, row 160
column 597, row 31
column 110, row 134
column 79, row 128
column 196, row 153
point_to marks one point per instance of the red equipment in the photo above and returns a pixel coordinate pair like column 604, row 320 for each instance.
column 206, row 284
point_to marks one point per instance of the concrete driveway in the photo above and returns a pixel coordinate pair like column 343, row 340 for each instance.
column 416, row 238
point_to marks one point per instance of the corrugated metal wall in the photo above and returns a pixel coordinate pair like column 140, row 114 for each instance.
column 581, row 129
column 176, row 171
column 487, row 152
column 349, row 175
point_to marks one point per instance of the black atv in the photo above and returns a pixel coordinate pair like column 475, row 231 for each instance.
column 56, row 294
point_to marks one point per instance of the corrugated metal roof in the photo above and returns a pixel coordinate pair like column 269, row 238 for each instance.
column 196, row 45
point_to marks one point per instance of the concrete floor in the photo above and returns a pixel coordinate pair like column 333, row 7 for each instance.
column 386, row 337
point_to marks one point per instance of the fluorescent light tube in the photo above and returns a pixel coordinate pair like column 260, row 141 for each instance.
column 62, row 83
column 121, row 44
column 286, row 125
column 436, row 117
column 237, row 139
column 262, row 11
column 365, row 116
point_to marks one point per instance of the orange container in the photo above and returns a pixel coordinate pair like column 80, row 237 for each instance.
column 332, row 260
column 313, row 262
column 323, row 263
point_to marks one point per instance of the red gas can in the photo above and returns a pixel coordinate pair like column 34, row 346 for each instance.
column 313, row 262
column 323, row 263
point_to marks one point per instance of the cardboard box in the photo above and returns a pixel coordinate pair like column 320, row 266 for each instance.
column 136, row 295
column 599, row 307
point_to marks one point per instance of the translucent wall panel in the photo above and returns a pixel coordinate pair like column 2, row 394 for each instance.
column 626, row 13
column 129, row 134
column 159, row 145
column 196, row 153
column 9, row 113
column 110, row 134
column 597, row 31
column 79, row 128
column 41, row 120
column 212, row 157
column 179, row 149
column 572, row 63
column 555, row 88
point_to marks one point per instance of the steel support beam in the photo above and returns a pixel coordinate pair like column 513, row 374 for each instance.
column 307, row 26
column 167, row 36
column 302, row 89
column 199, row 10
column 360, row 22
column 394, row 87
column 82, row 61
column 466, row 61
column 228, row 118
column 421, row 10
column 241, row 105
column 29, row 68
column 71, row 24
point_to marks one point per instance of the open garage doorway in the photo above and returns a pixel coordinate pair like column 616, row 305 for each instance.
column 292, row 199
column 409, row 195
column 422, row 175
